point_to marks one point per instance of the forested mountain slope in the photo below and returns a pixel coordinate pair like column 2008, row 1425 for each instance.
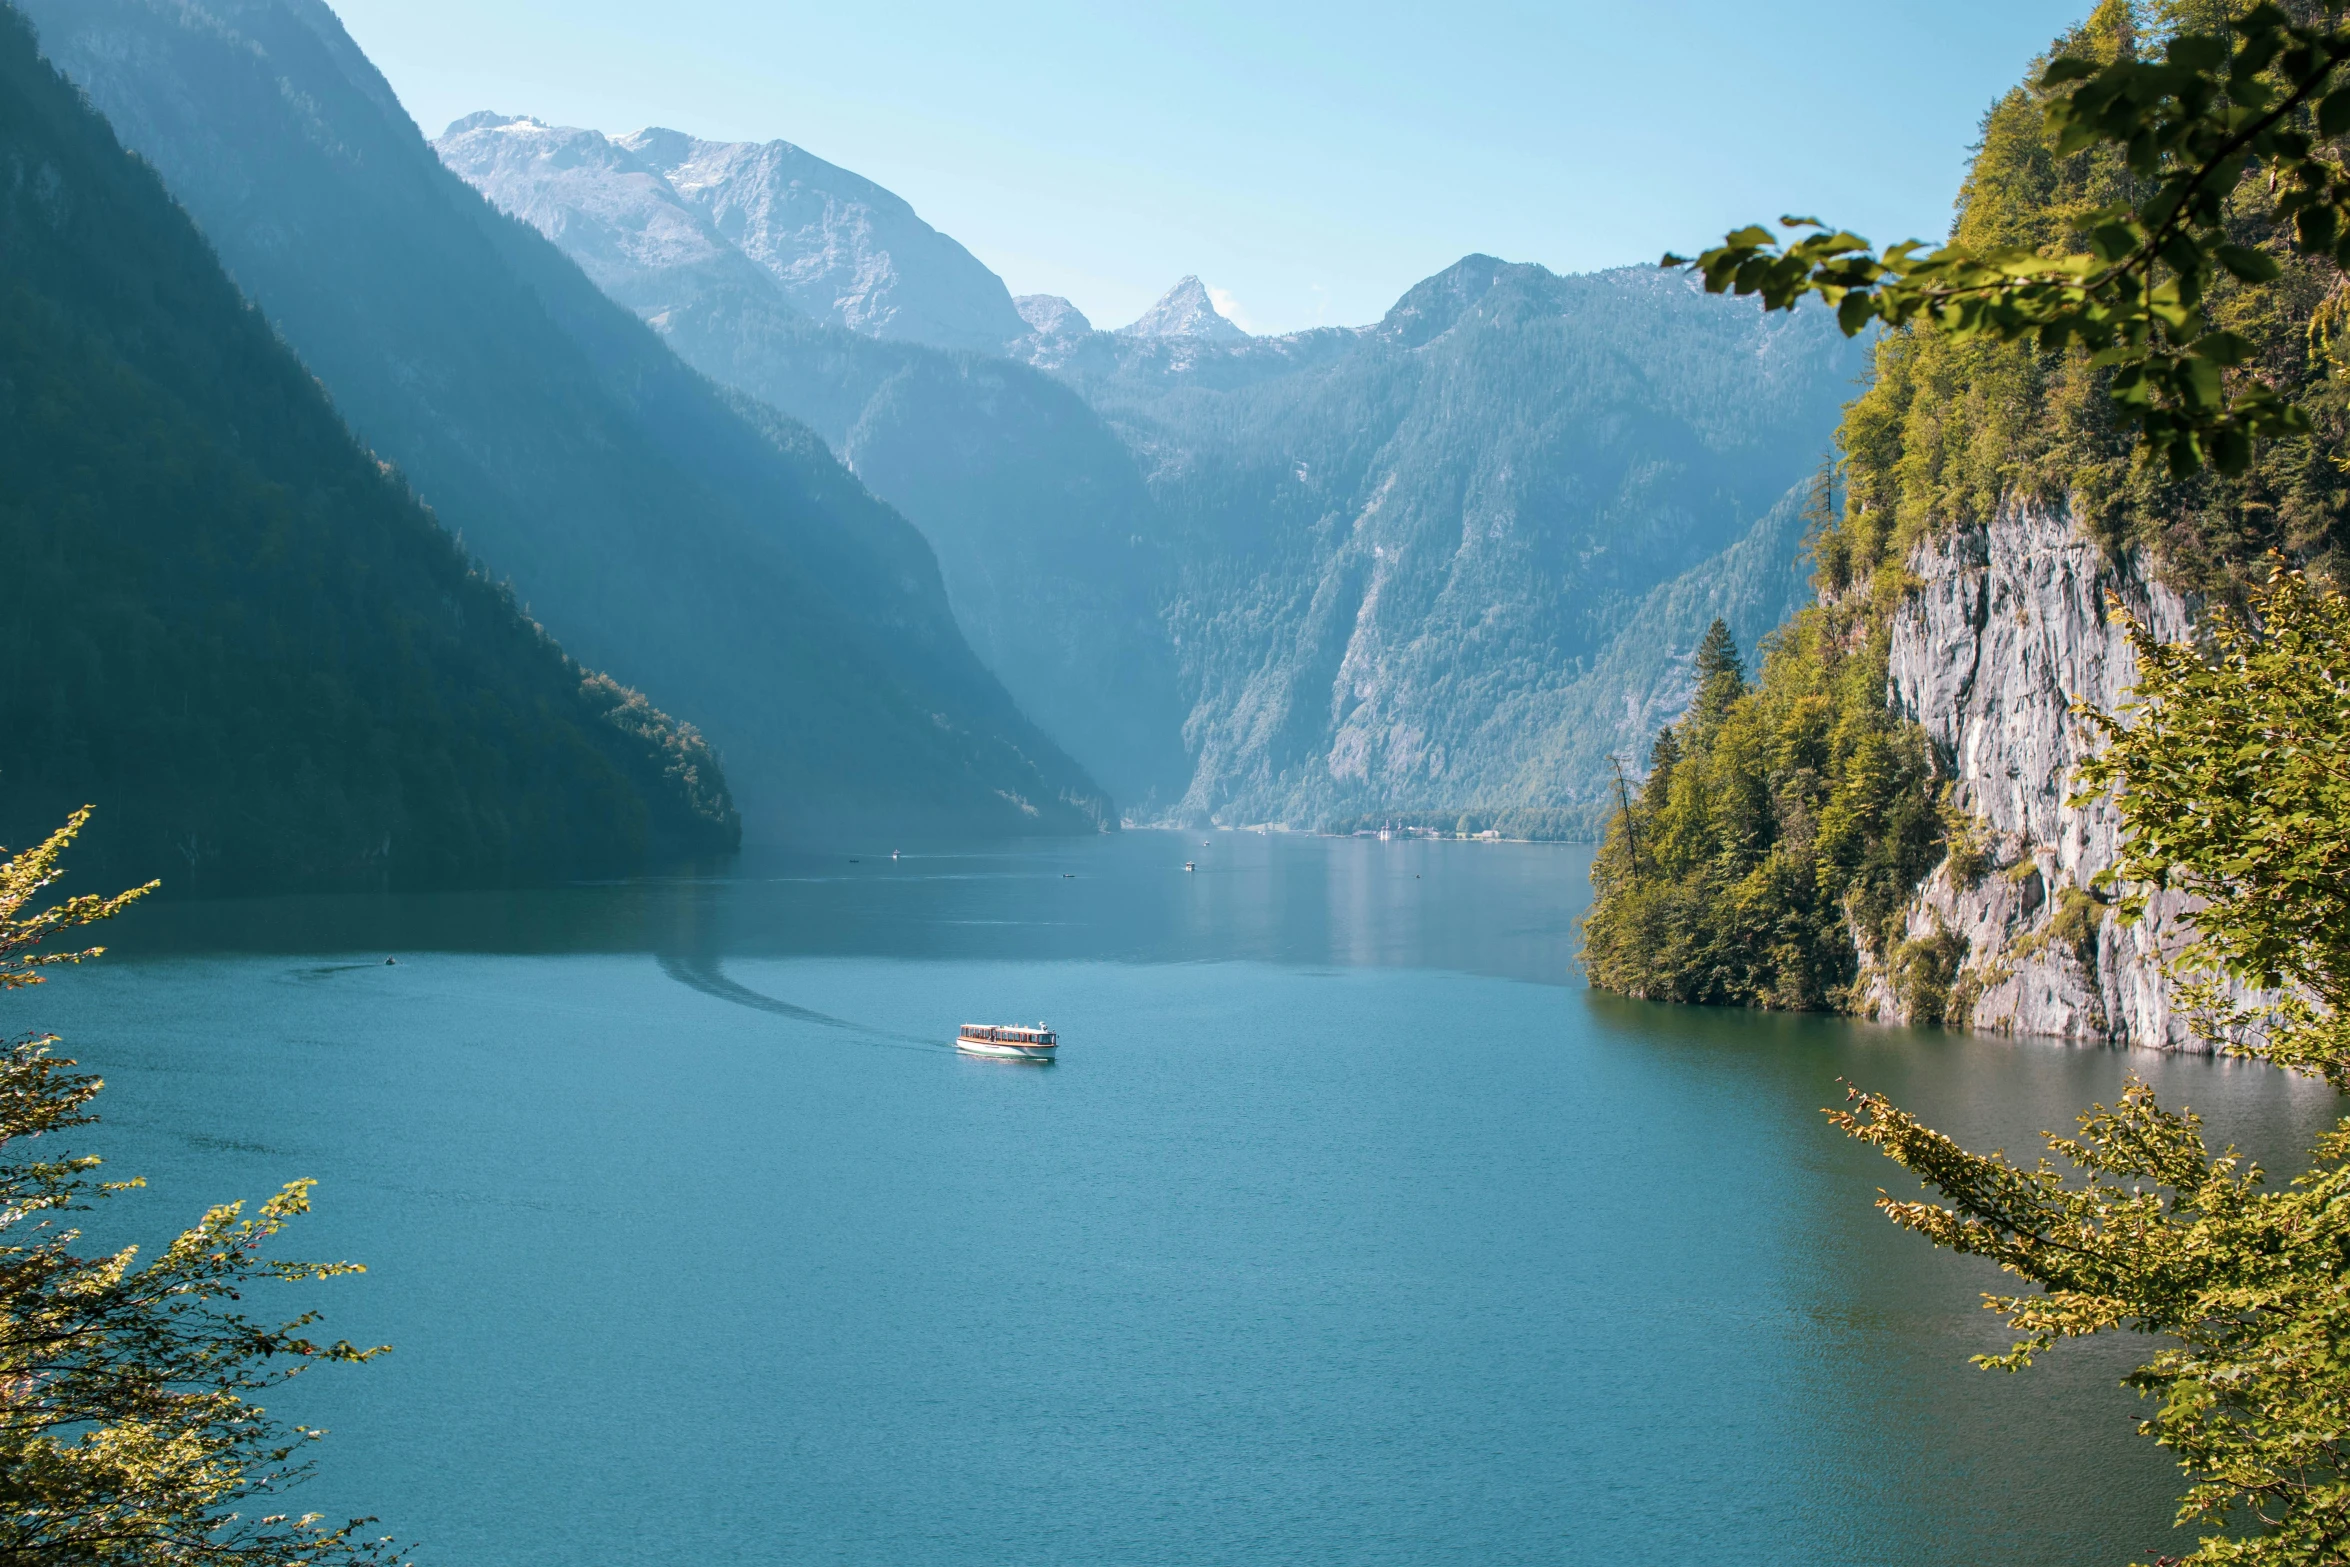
column 1882, row 822
column 726, row 561
column 1047, row 540
column 230, row 627
column 1445, row 564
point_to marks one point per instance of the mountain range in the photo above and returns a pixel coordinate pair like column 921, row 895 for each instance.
column 737, row 425
column 1446, row 564
column 1437, row 567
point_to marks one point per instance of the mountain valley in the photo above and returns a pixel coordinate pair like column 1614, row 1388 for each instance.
column 1434, row 570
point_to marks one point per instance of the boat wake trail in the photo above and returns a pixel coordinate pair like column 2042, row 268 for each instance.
column 704, row 975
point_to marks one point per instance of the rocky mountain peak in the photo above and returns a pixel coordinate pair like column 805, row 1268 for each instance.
column 842, row 248
column 659, row 146
column 1433, row 306
column 1051, row 316
column 486, row 120
column 1186, row 310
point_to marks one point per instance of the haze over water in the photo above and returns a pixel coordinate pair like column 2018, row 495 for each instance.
column 1352, row 1229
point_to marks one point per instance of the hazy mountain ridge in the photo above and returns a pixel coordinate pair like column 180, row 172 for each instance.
column 730, row 568
column 1043, row 530
column 620, row 219
column 1333, row 655
column 235, row 631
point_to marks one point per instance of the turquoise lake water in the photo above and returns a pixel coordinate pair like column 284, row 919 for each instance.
column 1351, row 1229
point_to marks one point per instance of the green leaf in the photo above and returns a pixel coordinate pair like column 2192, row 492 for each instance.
column 2220, row 347
column 2247, row 264
column 2197, row 52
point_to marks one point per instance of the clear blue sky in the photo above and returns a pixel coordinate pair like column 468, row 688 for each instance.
column 1309, row 160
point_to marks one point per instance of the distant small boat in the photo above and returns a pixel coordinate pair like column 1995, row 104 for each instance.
column 1008, row 1042
column 1189, row 866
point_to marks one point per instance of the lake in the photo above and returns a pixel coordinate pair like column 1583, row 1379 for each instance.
column 1350, row 1229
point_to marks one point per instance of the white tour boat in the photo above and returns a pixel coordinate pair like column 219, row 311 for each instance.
column 1009, row 1042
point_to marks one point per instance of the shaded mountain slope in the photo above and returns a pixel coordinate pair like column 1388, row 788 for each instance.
column 1046, row 537
column 728, row 563
column 231, row 628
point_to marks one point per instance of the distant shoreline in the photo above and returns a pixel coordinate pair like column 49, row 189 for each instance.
column 1415, row 833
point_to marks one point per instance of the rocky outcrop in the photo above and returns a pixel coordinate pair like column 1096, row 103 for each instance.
column 2008, row 625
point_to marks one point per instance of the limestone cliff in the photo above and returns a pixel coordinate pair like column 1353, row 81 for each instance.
column 2007, row 626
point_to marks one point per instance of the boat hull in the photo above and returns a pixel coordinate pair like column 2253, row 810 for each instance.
column 1002, row 1050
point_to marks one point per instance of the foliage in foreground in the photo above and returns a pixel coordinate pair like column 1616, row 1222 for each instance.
column 2239, row 119
column 2234, row 782
column 128, row 1437
column 2232, row 777
column 1953, row 428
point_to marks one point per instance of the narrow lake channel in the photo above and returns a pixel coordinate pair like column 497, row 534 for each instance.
column 1350, row 1229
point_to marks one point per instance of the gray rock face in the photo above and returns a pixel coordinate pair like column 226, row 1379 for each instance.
column 616, row 215
column 1186, row 310
column 843, row 248
column 2013, row 623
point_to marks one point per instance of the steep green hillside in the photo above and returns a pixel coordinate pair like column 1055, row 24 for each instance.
column 730, row 564
column 230, row 627
column 1949, row 431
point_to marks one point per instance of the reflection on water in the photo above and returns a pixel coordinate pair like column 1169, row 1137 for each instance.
column 1349, row 1230
column 1505, row 910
